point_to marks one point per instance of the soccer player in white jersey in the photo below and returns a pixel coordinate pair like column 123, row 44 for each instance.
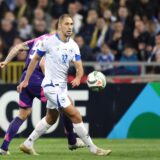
column 59, row 51
column 25, row 102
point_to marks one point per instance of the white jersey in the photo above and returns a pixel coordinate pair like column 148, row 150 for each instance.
column 58, row 56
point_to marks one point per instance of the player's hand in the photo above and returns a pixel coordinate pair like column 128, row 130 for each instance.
column 22, row 85
column 3, row 64
column 75, row 82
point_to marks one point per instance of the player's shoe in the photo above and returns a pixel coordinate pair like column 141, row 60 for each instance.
column 27, row 150
column 103, row 152
column 79, row 144
column 3, row 152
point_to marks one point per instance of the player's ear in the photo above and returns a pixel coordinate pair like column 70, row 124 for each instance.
column 56, row 25
column 59, row 26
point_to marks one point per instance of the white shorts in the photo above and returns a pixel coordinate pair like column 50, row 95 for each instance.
column 57, row 96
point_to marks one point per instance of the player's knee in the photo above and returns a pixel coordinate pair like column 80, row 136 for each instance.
column 50, row 120
column 24, row 116
column 24, row 113
column 76, row 117
column 51, row 117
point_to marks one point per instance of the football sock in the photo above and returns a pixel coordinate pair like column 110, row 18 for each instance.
column 83, row 134
column 40, row 129
column 68, row 128
column 11, row 132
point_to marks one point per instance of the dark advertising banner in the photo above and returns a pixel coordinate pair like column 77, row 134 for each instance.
column 115, row 112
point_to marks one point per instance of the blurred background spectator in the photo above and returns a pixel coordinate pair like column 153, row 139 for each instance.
column 39, row 28
column 104, row 57
column 24, row 28
column 86, row 52
column 77, row 18
column 129, row 55
column 58, row 8
column 88, row 27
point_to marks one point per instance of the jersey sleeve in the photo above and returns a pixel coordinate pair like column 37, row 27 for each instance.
column 77, row 55
column 41, row 50
column 30, row 44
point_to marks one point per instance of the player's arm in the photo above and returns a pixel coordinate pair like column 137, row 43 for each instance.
column 29, row 72
column 78, row 66
column 41, row 64
column 79, row 73
column 13, row 53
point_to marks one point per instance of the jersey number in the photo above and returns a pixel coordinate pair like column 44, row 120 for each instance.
column 64, row 58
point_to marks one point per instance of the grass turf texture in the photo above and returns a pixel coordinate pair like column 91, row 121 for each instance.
column 56, row 149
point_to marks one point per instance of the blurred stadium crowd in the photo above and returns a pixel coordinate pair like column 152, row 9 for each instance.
column 105, row 30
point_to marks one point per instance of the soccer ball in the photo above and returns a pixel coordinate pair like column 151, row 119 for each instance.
column 96, row 81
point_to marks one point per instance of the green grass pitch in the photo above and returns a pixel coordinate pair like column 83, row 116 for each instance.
column 56, row 149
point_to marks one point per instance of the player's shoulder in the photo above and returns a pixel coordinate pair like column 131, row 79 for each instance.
column 74, row 46
column 42, row 37
column 45, row 37
column 51, row 38
column 72, row 42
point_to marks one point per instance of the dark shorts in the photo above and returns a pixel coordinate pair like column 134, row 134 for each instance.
column 28, row 94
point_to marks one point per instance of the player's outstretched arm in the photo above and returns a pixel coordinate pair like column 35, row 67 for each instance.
column 79, row 73
column 30, row 70
column 13, row 53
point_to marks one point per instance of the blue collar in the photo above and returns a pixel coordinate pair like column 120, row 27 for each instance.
column 57, row 35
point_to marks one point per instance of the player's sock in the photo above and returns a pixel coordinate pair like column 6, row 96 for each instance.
column 40, row 129
column 11, row 132
column 68, row 128
column 83, row 134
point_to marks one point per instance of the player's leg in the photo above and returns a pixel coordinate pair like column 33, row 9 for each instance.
column 68, row 129
column 13, row 129
column 28, row 145
column 81, row 131
column 42, row 126
column 62, row 101
column 40, row 129
column 25, row 102
column 46, row 123
column 73, row 141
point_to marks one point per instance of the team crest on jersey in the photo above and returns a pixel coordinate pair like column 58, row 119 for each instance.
column 71, row 51
column 62, row 100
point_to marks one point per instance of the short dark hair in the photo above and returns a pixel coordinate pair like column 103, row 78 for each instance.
column 63, row 16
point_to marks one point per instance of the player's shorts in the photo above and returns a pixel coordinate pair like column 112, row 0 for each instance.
column 57, row 95
column 28, row 94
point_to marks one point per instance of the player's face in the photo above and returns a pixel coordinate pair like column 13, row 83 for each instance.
column 67, row 27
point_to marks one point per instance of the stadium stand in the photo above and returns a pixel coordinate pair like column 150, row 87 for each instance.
column 107, row 31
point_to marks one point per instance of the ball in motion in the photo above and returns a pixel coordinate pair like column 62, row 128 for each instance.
column 96, row 81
